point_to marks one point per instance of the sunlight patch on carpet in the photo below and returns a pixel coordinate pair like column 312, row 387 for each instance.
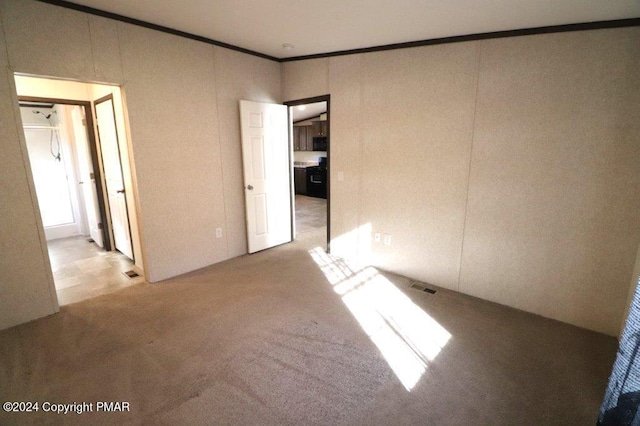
column 407, row 337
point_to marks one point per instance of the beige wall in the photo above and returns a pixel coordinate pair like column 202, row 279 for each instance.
column 345, row 120
column 553, row 199
column 181, row 97
column 305, row 79
column 170, row 92
column 505, row 169
column 419, row 136
column 26, row 283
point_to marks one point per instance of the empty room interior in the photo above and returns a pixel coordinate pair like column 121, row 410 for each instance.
column 279, row 212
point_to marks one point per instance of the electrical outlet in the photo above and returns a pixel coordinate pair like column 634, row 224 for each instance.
column 387, row 239
column 376, row 237
column 218, row 232
column 340, row 176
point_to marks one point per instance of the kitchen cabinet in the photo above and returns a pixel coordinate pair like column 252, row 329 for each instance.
column 300, row 180
column 302, row 138
column 299, row 138
column 309, row 138
column 319, row 128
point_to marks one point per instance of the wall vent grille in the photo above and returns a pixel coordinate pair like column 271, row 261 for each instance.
column 420, row 286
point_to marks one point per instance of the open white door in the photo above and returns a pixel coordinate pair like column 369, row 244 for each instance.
column 113, row 175
column 87, row 176
column 267, row 184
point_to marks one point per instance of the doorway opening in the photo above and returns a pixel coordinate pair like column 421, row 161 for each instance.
column 74, row 134
column 310, row 139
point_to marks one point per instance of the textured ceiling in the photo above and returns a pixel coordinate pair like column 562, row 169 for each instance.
column 315, row 27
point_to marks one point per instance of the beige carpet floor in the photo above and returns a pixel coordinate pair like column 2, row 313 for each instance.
column 286, row 336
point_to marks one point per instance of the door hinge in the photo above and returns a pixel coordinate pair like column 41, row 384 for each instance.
column 84, row 122
column 92, row 176
column 100, row 225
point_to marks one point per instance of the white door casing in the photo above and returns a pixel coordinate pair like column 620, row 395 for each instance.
column 113, row 176
column 267, row 183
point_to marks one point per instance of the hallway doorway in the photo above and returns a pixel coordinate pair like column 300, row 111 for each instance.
column 70, row 158
column 310, row 141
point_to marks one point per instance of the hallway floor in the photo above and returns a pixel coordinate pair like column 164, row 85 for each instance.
column 82, row 270
column 311, row 214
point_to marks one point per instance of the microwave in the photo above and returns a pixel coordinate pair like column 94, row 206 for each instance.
column 320, row 143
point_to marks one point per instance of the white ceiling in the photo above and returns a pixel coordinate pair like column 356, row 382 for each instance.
column 309, row 111
column 323, row 26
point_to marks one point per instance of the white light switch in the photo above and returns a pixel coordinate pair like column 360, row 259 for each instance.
column 218, row 232
column 387, row 239
column 340, row 176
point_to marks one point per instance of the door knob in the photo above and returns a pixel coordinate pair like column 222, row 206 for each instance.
column 249, row 187
column 121, row 191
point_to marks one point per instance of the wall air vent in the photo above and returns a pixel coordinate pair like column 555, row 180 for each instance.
column 35, row 104
column 420, row 286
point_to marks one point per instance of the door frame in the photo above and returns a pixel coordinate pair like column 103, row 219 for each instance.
column 106, row 98
column 93, row 151
column 327, row 99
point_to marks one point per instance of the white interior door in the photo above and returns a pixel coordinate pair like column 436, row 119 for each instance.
column 86, row 176
column 113, row 176
column 267, row 183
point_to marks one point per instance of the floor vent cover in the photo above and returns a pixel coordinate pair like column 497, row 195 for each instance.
column 131, row 274
column 419, row 286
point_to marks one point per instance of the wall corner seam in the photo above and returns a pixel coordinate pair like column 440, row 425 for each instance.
column 472, row 140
